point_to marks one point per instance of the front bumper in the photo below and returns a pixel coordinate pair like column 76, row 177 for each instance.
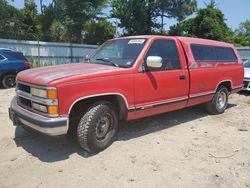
column 48, row 126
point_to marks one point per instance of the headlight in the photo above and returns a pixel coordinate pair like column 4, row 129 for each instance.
column 39, row 107
column 38, row 92
column 43, row 93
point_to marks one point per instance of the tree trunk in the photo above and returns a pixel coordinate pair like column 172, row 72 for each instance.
column 41, row 6
column 162, row 20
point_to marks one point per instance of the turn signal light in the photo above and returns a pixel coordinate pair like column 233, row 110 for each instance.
column 52, row 109
column 52, row 94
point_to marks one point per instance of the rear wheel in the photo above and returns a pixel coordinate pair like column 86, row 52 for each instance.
column 97, row 127
column 9, row 81
column 219, row 102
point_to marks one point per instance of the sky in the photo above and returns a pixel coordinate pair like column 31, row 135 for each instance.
column 235, row 11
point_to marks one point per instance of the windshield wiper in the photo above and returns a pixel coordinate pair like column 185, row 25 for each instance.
column 108, row 61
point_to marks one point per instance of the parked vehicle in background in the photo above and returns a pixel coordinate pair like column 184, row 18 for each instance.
column 127, row 78
column 246, row 85
column 11, row 63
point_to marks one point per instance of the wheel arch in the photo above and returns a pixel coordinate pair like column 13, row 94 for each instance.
column 7, row 73
column 226, row 83
column 117, row 99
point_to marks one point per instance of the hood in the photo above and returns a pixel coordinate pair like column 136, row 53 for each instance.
column 61, row 73
column 247, row 73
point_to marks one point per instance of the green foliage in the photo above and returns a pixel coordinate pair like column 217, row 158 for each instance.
column 9, row 20
column 57, row 31
column 97, row 32
column 179, row 9
column 209, row 23
column 29, row 19
column 136, row 17
column 244, row 28
column 184, row 28
column 62, row 20
column 46, row 20
column 75, row 14
column 242, row 34
column 66, row 21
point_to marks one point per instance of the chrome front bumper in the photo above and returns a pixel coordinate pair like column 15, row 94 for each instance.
column 46, row 125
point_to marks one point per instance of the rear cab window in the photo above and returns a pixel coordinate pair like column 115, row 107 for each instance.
column 208, row 53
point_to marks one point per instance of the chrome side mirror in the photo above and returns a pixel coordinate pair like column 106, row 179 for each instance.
column 154, row 62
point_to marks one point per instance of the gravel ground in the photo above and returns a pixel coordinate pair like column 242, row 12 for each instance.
column 185, row 148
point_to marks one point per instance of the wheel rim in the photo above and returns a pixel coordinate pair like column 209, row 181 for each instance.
column 10, row 81
column 221, row 100
column 104, row 125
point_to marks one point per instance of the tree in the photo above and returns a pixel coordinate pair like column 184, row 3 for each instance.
column 41, row 6
column 75, row 14
column 46, row 20
column 9, row 20
column 184, row 28
column 179, row 9
column 242, row 34
column 209, row 23
column 135, row 16
column 29, row 17
column 244, row 28
column 97, row 32
column 56, row 31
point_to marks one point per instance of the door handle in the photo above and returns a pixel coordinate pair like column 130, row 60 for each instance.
column 182, row 77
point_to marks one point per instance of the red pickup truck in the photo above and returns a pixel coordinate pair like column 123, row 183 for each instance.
column 126, row 79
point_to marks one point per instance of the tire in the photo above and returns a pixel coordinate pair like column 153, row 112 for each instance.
column 9, row 81
column 219, row 102
column 97, row 127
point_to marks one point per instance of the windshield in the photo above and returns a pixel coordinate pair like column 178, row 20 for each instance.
column 120, row 52
column 247, row 64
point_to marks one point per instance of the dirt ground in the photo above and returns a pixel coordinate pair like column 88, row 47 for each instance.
column 186, row 148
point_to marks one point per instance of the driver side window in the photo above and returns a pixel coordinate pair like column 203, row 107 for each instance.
column 167, row 50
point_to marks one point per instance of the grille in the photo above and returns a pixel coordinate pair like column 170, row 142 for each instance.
column 24, row 102
column 24, row 88
column 25, row 99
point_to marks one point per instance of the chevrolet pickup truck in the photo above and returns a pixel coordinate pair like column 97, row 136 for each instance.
column 127, row 78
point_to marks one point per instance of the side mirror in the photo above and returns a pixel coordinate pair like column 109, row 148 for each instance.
column 87, row 57
column 154, row 62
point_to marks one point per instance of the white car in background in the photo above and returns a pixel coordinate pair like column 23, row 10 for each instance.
column 246, row 85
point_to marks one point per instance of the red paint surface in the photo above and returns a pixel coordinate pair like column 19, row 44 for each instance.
column 77, row 81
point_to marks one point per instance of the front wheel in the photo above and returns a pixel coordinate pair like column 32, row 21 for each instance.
column 97, row 127
column 219, row 102
column 9, row 81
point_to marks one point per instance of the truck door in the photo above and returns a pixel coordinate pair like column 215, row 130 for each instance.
column 162, row 89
